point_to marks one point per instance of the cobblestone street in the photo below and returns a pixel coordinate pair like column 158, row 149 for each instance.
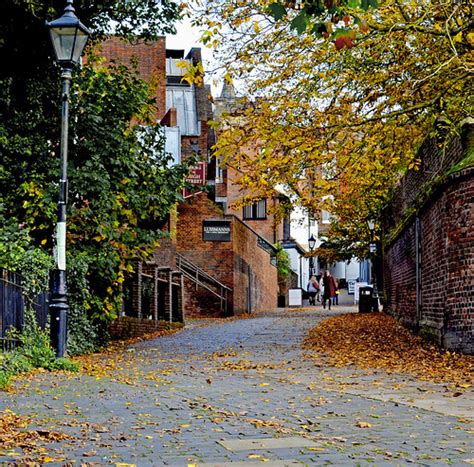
column 242, row 392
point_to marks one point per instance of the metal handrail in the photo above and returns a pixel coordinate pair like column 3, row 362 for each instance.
column 194, row 268
column 193, row 272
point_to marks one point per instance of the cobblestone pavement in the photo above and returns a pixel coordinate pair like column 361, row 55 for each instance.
column 238, row 393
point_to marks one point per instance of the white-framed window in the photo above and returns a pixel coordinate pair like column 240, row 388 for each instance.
column 255, row 211
column 219, row 171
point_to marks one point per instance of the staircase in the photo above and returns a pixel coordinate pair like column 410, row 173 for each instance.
column 203, row 280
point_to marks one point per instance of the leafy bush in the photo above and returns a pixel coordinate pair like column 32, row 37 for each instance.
column 15, row 363
column 5, row 379
column 35, row 346
column 84, row 335
column 34, row 352
column 13, row 241
column 283, row 261
column 63, row 364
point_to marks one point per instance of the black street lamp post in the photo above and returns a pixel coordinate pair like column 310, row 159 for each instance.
column 69, row 37
column 373, row 273
column 311, row 244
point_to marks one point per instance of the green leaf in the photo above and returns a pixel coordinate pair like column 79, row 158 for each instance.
column 318, row 29
column 353, row 3
column 299, row 23
column 366, row 4
column 277, row 11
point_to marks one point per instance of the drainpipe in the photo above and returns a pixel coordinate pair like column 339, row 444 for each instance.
column 418, row 268
column 301, row 271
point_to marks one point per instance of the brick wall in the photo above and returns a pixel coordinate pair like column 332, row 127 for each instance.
column 265, row 227
column 165, row 254
column 127, row 327
column 459, row 315
column 150, row 59
column 216, row 258
column 399, row 277
column 446, row 247
column 255, row 278
column 239, row 264
column 433, row 163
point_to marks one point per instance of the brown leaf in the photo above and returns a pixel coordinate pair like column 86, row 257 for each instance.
column 363, row 425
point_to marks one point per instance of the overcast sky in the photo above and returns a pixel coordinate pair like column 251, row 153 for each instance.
column 187, row 37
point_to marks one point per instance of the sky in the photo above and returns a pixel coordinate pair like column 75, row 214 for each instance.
column 187, row 37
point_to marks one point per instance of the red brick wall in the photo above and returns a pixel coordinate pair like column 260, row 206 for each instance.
column 446, row 222
column 399, row 272
column 151, row 63
column 255, row 279
column 459, row 314
column 127, row 327
column 165, row 254
column 232, row 263
column 265, row 227
column 216, row 258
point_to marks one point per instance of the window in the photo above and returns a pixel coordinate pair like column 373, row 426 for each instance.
column 325, row 217
column 177, row 81
column 256, row 210
column 219, row 171
column 173, row 144
column 286, row 228
column 184, row 101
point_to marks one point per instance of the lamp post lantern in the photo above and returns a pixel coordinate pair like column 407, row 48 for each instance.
column 372, row 255
column 69, row 37
column 311, row 244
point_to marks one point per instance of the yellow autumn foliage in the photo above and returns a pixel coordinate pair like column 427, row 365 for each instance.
column 339, row 127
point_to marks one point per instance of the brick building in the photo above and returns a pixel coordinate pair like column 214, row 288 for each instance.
column 429, row 244
column 225, row 265
column 242, row 257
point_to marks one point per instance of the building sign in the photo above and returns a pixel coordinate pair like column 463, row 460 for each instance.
column 265, row 245
column 216, row 230
column 295, row 297
column 351, row 286
column 198, row 174
column 196, row 177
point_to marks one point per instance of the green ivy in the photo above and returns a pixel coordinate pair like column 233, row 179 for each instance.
column 84, row 335
column 283, row 261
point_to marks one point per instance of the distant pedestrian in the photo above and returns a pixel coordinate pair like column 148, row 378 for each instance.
column 313, row 289
column 321, row 289
column 329, row 289
column 335, row 299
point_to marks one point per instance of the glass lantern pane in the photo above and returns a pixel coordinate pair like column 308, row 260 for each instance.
column 63, row 41
column 81, row 40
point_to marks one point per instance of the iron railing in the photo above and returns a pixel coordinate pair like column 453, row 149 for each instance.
column 202, row 279
column 12, row 307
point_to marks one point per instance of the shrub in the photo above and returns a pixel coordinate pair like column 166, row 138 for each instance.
column 5, row 379
column 63, row 364
column 35, row 351
column 84, row 335
column 16, row 363
column 283, row 261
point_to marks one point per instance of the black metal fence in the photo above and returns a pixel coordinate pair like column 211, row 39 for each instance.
column 12, row 306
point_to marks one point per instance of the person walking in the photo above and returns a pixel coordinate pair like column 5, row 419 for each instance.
column 329, row 289
column 313, row 289
column 321, row 289
column 335, row 298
